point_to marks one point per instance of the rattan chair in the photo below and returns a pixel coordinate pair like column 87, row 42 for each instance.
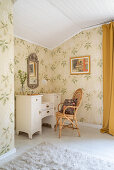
column 61, row 118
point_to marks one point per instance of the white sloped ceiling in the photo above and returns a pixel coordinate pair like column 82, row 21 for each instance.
column 49, row 23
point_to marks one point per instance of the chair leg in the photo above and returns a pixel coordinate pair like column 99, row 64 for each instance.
column 72, row 125
column 77, row 127
column 57, row 122
column 60, row 127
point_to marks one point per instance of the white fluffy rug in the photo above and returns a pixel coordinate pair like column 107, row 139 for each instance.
column 50, row 157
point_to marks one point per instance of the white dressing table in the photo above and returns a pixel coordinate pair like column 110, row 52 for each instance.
column 33, row 110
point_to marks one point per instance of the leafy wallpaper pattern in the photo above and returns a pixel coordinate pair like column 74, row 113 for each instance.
column 55, row 67
column 86, row 43
column 22, row 49
column 6, row 77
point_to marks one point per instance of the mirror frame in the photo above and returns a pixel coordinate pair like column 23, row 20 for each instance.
column 32, row 57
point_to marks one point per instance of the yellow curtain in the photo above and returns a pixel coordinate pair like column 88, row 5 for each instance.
column 108, row 78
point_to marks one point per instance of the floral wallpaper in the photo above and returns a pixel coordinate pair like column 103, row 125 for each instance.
column 86, row 43
column 55, row 67
column 22, row 49
column 6, row 77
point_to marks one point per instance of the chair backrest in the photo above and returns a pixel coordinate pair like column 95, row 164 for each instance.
column 78, row 95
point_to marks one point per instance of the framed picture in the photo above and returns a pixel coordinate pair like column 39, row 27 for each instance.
column 80, row 65
column 32, row 69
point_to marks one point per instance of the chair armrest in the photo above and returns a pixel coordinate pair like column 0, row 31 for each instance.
column 59, row 105
column 74, row 107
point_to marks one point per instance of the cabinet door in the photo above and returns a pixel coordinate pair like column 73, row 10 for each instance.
column 36, row 121
column 36, row 116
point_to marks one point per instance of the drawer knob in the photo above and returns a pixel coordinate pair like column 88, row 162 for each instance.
column 48, row 111
column 47, row 106
column 39, row 112
column 36, row 100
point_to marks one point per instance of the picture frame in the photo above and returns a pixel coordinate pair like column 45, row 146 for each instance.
column 80, row 65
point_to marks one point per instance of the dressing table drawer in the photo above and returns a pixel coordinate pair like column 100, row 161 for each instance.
column 47, row 106
column 46, row 113
column 36, row 99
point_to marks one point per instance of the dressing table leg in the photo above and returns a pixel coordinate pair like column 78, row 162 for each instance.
column 30, row 135
column 52, row 125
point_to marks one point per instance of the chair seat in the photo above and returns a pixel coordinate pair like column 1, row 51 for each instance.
column 71, row 113
column 60, row 114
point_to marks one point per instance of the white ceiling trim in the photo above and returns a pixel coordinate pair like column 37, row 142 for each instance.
column 32, row 42
column 83, row 29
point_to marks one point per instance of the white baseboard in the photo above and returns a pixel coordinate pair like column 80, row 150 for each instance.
column 8, row 154
column 90, row 125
